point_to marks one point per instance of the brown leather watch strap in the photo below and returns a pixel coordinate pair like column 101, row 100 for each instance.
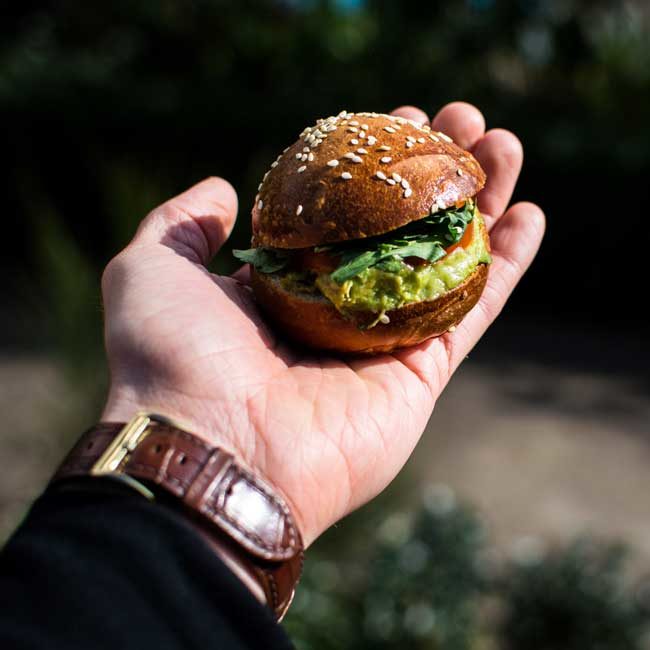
column 240, row 511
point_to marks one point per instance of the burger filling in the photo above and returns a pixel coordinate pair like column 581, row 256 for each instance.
column 420, row 261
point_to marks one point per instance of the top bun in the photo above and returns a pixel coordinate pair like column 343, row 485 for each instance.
column 357, row 175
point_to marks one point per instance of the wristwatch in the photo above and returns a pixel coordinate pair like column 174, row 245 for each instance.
column 239, row 513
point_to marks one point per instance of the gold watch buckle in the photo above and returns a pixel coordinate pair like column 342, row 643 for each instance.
column 110, row 463
column 122, row 445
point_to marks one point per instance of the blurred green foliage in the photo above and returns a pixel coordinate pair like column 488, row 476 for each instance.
column 428, row 579
column 574, row 599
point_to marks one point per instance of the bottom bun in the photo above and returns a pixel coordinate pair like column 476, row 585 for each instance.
column 316, row 323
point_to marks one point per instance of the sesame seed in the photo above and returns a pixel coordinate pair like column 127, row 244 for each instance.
column 371, row 140
column 303, row 157
column 390, row 181
column 407, row 192
column 362, row 134
column 445, row 137
column 302, row 169
column 397, row 177
column 452, row 329
column 352, row 129
column 298, row 156
column 274, row 163
column 356, row 159
column 346, row 176
column 333, row 162
column 421, row 140
column 433, row 137
column 405, row 184
column 354, row 141
column 305, row 149
column 349, row 155
column 310, row 156
column 384, row 147
column 363, row 152
column 409, row 145
column 381, row 176
column 260, row 204
column 354, row 123
column 298, row 210
column 389, row 129
column 410, row 138
column 459, row 171
column 384, row 319
column 385, row 159
column 364, row 127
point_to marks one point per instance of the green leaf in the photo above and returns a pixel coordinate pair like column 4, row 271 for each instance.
column 425, row 238
column 265, row 260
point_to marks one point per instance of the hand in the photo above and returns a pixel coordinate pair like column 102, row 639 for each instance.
column 328, row 434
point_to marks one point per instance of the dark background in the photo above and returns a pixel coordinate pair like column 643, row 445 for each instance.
column 107, row 109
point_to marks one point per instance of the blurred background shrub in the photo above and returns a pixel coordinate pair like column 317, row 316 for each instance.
column 429, row 579
column 107, row 109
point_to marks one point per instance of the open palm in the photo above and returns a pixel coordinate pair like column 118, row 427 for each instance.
column 328, row 433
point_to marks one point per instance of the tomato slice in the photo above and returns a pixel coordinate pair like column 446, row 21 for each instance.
column 322, row 262
column 465, row 240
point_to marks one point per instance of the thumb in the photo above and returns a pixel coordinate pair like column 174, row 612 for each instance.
column 195, row 223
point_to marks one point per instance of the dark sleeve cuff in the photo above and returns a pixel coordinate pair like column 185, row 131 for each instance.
column 113, row 570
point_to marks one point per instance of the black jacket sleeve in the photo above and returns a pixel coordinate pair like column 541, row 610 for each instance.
column 93, row 570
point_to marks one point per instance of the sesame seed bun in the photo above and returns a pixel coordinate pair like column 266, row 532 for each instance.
column 315, row 322
column 342, row 181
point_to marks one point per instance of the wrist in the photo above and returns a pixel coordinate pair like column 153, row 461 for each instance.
column 251, row 524
column 123, row 402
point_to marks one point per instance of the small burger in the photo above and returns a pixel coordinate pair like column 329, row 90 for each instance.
column 367, row 236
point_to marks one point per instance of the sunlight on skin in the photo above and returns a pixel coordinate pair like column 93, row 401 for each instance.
column 329, row 434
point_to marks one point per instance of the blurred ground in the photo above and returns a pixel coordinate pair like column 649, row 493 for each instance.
column 42, row 415
column 542, row 449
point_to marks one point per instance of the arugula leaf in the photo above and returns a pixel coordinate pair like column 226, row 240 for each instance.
column 265, row 260
column 425, row 238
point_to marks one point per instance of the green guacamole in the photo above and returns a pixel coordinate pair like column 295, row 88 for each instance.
column 377, row 290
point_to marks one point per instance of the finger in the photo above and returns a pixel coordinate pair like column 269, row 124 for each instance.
column 515, row 241
column 243, row 274
column 462, row 122
column 195, row 223
column 501, row 156
column 411, row 113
